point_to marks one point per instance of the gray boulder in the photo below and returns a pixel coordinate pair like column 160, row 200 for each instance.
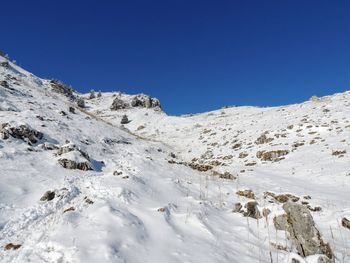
column 299, row 224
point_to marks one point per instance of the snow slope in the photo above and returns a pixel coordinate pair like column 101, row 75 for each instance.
column 143, row 202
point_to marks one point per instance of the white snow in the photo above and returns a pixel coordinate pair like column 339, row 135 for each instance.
column 115, row 218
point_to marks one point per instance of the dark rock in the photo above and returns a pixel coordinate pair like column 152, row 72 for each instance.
column 252, row 210
column 72, row 110
column 11, row 246
column 237, row 208
column 118, row 104
column 62, row 88
column 124, row 120
column 246, row 193
column 263, row 139
column 48, row 196
column 71, row 164
column 22, row 132
column 145, row 101
column 345, row 223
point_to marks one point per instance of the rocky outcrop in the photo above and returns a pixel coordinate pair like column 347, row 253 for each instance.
column 299, row 224
column 345, row 223
column 246, row 193
column 48, row 196
column 71, row 157
column 263, row 139
column 59, row 87
column 145, row 101
column 22, row 132
column 273, row 156
column 252, row 210
column 118, row 104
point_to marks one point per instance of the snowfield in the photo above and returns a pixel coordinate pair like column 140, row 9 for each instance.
column 166, row 188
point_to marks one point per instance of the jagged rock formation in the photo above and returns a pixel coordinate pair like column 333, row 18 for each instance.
column 71, row 157
column 298, row 222
column 22, row 132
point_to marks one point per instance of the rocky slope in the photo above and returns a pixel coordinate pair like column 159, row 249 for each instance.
column 238, row 184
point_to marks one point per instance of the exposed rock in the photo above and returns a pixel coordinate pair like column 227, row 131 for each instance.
column 345, row 223
column 73, row 158
column 22, row 132
column 124, row 120
column 60, row 87
column 81, row 103
column 118, row 104
column 72, row 110
column 237, row 208
column 338, row 152
column 252, row 210
column 48, row 196
column 11, row 246
column 280, row 222
column 70, row 209
column 263, row 139
column 117, row 173
column 302, row 231
column 145, row 101
column 4, row 84
column 246, row 193
column 271, row 155
column 200, row 167
column 242, row 155
column 71, row 164
column 282, row 198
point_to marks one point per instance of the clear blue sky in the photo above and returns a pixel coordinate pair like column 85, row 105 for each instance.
column 193, row 55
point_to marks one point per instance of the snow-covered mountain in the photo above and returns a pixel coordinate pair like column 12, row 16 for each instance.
column 240, row 184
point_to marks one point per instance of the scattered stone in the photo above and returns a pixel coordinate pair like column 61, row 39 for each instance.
column 282, row 198
column 243, row 155
column 48, row 196
column 338, row 152
column 200, row 167
column 73, row 165
column 250, row 164
column 22, row 132
column 11, row 246
column 124, row 120
column 237, row 208
column 162, row 209
column 263, row 139
column 246, row 193
column 69, row 209
column 118, row 104
column 71, row 109
column 145, row 101
column 117, row 173
column 81, row 103
column 62, row 88
column 252, row 210
column 271, row 155
column 345, row 223
column 88, row 200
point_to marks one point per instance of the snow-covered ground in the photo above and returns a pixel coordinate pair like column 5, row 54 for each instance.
column 142, row 202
